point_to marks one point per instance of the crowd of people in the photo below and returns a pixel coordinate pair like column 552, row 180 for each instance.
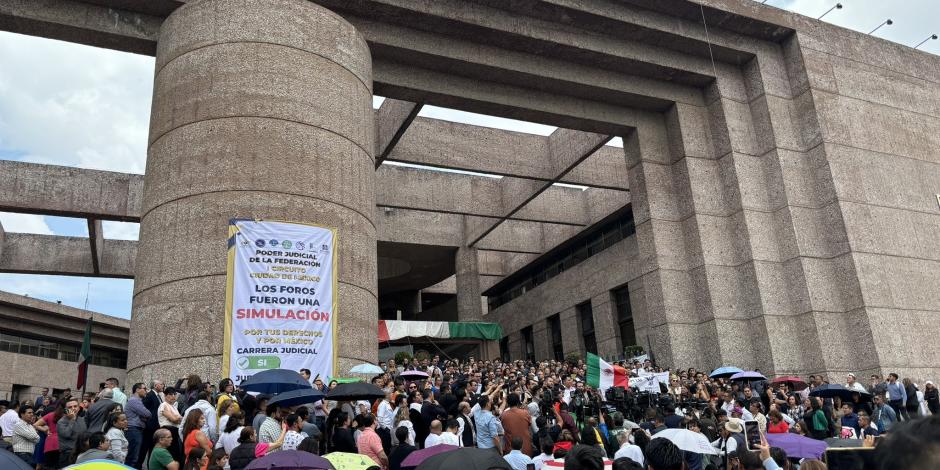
column 535, row 414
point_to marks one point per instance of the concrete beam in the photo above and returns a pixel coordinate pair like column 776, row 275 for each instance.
column 70, row 192
column 566, row 149
column 444, row 144
column 28, row 253
column 391, row 121
column 83, row 23
column 96, row 244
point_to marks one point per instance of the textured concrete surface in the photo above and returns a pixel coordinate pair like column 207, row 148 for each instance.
column 261, row 109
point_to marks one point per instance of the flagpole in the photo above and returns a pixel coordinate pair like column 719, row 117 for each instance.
column 91, row 321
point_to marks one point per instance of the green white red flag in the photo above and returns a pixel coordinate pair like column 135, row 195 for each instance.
column 602, row 375
column 84, row 357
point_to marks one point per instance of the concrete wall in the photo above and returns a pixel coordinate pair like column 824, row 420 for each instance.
column 39, row 372
column 592, row 279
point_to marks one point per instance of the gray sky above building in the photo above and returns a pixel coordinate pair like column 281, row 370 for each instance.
column 74, row 105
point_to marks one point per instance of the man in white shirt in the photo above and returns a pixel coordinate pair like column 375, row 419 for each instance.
column 434, row 438
column 8, row 419
column 515, row 458
column 852, row 384
column 386, row 413
column 211, row 428
column 628, row 450
column 449, row 436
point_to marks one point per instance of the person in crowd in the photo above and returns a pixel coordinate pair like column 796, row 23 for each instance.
column 343, row 440
column 307, row 426
column 226, row 395
column 218, row 459
column 731, row 438
column 584, row 457
column 517, row 459
column 209, row 425
column 97, row 416
column 883, row 416
column 402, row 450
column 270, row 428
column 897, row 396
column 777, row 425
column 152, row 400
column 98, row 447
column 517, row 422
column 866, row 427
column 434, row 436
column 849, row 418
column 51, row 446
column 114, row 432
column 402, row 419
column 160, row 457
column 137, row 417
column 69, row 428
column 628, row 450
column 912, row 404
column 852, row 384
column 662, row 454
column 488, row 434
column 449, row 436
column 116, row 393
column 193, row 434
column 932, row 397
column 228, row 440
column 816, row 420
column 197, row 459
column 370, row 444
column 295, row 432
column 545, row 445
column 250, row 449
column 25, row 435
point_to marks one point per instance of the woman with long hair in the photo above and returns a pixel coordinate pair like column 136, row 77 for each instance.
column 50, row 447
column 114, row 432
column 225, row 410
column 193, row 435
column 343, row 440
column 817, row 421
column 196, row 459
column 249, row 448
column 228, row 440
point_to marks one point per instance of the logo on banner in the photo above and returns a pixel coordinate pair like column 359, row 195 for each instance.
column 299, row 246
column 259, row 243
column 286, row 244
column 273, row 242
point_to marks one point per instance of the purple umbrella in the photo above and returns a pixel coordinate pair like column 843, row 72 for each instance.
column 797, row 446
column 748, row 375
column 415, row 458
column 413, row 375
column 290, row 460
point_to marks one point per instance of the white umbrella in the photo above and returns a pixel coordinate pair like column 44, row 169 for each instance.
column 688, row 441
column 366, row 369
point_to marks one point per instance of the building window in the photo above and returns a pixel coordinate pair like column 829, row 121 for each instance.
column 625, row 317
column 63, row 352
column 586, row 315
column 504, row 349
column 528, row 344
column 554, row 328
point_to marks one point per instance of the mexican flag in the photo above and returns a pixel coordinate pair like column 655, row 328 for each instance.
column 84, row 357
column 602, row 375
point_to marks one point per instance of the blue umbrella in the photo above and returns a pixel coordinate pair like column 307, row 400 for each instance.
column 724, row 372
column 301, row 396
column 274, row 381
column 366, row 369
column 9, row 460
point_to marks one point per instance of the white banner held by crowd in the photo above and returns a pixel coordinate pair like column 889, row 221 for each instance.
column 650, row 382
column 280, row 298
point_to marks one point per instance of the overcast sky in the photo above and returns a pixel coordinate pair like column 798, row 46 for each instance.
column 81, row 106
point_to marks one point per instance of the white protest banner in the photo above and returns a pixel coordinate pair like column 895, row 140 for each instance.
column 280, row 298
column 650, row 382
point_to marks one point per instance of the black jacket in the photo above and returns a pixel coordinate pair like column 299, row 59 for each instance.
column 343, row 441
column 399, row 456
column 242, row 455
column 152, row 403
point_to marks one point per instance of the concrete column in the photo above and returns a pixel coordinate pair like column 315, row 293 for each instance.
column 605, row 328
column 260, row 109
column 469, row 300
column 541, row 339
column 571, row 332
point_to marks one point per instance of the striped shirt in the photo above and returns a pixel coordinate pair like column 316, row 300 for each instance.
column 25, row 438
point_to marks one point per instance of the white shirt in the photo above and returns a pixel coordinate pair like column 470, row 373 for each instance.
column 229, row 440
column 8, row 421
column 730, row 446
column 631, row 452
column 433, row 440
column 386, row 415
column 856, row 387
column 208, row 411
column 450, row 438
column 540, row 459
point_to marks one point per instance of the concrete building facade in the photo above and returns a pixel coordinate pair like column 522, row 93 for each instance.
column 775, row 203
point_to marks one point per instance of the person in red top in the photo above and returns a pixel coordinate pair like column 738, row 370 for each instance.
column 517, row 423
column 370, row 444
column 777, row 425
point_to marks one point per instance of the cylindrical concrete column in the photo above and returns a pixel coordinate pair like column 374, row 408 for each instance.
column 261, row 108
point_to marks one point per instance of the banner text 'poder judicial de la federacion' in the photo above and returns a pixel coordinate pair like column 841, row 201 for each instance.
column 280, row 304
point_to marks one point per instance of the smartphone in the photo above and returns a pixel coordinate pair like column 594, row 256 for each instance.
column 752, row 435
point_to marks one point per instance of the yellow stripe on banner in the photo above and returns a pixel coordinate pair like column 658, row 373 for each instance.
column 229, row 296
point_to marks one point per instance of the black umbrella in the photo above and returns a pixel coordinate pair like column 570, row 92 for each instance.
column 9, row 460
column 355, row 391
column 467, row 458
column 274, row 381
column 836, row 390
column 301, row 396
